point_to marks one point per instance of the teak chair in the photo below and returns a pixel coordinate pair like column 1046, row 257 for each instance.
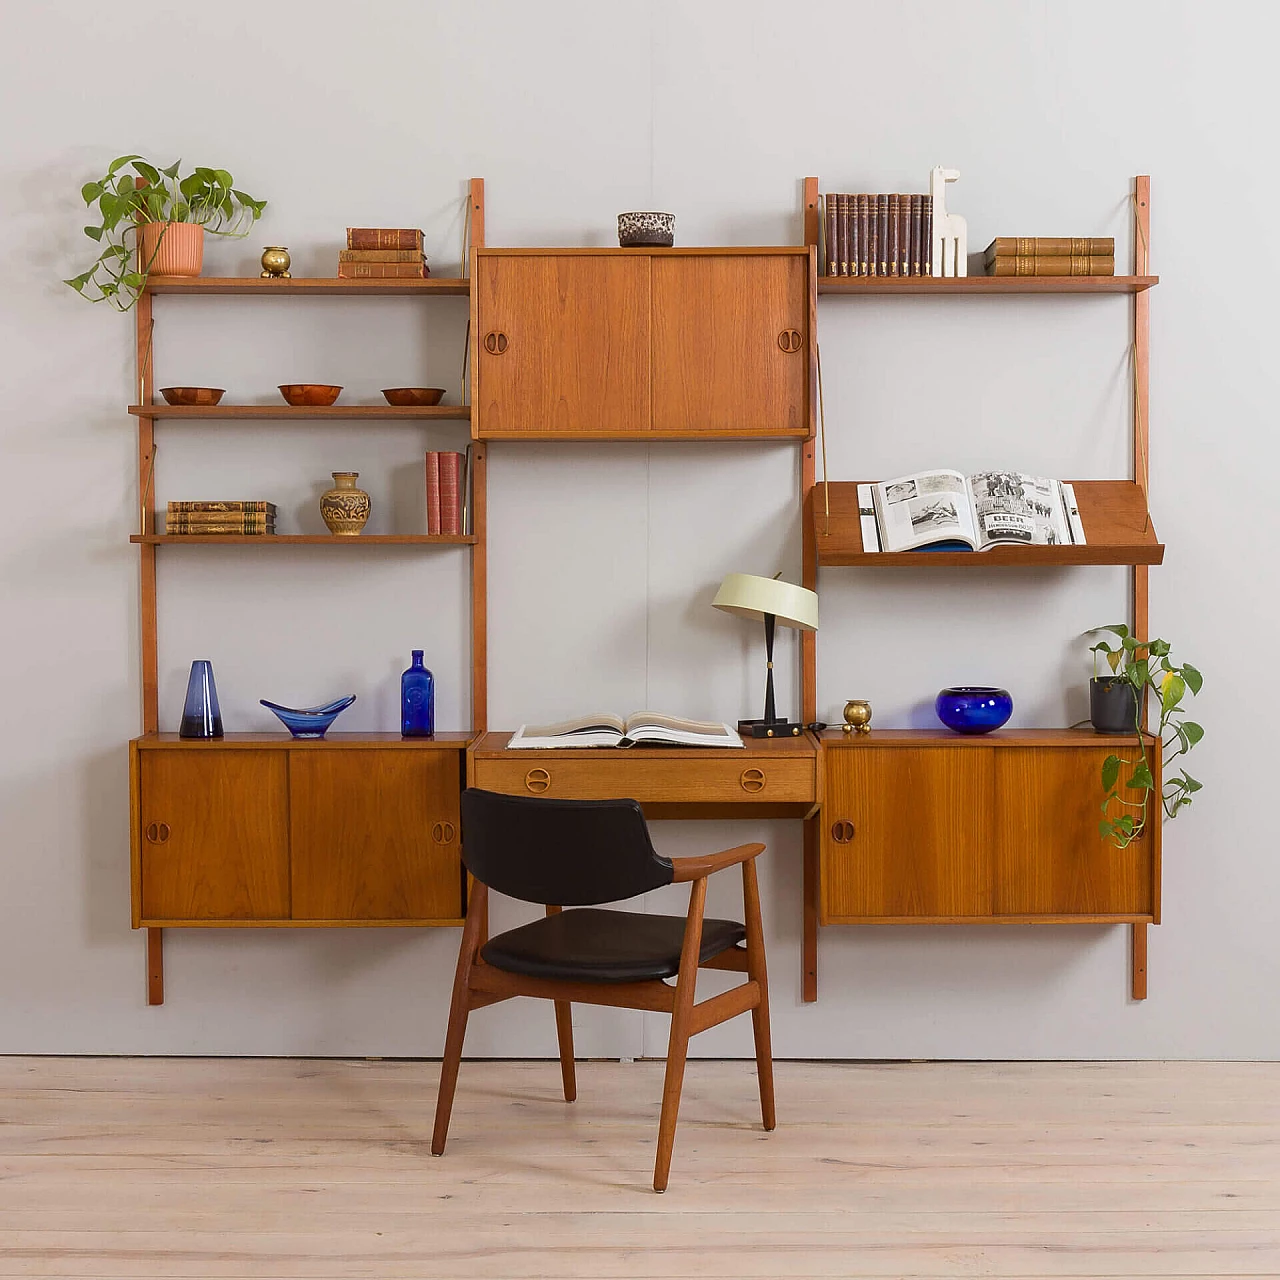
column 579, row 853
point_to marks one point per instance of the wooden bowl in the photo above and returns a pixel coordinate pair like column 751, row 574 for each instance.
column 311, row 395
column 205, row 396
column 413, row 395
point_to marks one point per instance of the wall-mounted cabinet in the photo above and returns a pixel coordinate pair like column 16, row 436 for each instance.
column 924, row 827
column 642, row 344
column 258, row 829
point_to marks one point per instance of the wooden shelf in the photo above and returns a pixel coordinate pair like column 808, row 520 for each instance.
column 541, row 437
column 284, row 741
column 890, row 286
column 292, row 413
column 305, row 539
column 316, row 286
column 1113, row 512
column 1085, row 736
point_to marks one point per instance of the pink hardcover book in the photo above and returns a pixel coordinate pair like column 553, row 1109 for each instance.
column 433, row 492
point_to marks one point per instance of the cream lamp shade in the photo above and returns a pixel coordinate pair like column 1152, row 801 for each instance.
column 757, row 598
column 768, row 600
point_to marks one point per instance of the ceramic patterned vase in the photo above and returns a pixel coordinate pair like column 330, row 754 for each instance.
column 344, row 507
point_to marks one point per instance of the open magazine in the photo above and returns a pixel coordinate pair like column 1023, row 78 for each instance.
column 643, row 729
column 946, row 511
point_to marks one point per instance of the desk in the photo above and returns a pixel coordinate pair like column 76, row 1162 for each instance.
column 767, row 779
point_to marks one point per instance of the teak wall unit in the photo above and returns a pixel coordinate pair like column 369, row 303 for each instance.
column 648, row 344
column 933, row 828
column 260, row 829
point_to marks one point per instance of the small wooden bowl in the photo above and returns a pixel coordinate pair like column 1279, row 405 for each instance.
column 311, row 395
column 413, row 395
column 205, row 396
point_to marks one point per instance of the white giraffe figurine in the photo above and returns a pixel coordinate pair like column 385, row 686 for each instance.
column 950, row 234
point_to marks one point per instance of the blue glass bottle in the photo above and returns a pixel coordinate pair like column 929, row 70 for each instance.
column 201, row 717
column 417, row 701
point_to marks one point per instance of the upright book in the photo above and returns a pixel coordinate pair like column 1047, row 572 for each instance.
column 643, row 729
column 944, row 510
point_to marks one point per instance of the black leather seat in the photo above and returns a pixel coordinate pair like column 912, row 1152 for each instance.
column 595, row 945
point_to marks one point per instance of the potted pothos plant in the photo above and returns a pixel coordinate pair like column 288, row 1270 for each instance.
column 1138, row 669
column 153, row 220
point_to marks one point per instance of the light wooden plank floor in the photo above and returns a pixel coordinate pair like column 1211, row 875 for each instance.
column 145, row 1168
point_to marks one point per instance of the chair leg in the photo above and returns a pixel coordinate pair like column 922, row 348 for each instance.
column 678, row 1045
column 564, row 1033
column 459, row 1008
column 757, row 973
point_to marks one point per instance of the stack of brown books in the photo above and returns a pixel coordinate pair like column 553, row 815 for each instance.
column 878, row 235
column 383, row 253
column 448, row 492
column 253, row 516
column 1051, row 256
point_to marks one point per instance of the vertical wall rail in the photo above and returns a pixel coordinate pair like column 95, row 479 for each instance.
column 809, row 640
column 479, row 497
column 1142, row 474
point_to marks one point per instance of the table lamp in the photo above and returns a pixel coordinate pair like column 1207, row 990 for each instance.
column 770, row 600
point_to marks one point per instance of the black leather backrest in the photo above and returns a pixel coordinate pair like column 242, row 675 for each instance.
column 570, row 853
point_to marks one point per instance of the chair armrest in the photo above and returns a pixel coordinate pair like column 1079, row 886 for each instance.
column 698, row 868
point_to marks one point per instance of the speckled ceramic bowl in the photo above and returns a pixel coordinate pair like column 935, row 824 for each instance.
column 655, row 230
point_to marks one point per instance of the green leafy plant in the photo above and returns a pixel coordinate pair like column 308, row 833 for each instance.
column 1146, row 665
column 133, row 192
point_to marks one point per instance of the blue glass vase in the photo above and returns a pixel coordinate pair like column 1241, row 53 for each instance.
column 973, row 708
column 417, row 701
column 201, row 716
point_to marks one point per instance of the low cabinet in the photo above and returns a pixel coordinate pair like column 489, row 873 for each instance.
column 923, row 827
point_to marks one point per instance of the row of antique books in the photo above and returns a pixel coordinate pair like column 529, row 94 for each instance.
column 878, row 235
column 1051, row 256
column 449, row 492
column 232, row 517
column 383, row 253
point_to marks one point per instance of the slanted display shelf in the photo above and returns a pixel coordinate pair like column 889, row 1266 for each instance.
column 1113, row 512
column 890, row 286
column 308, row 539
column 316, row 287
column 294, row 413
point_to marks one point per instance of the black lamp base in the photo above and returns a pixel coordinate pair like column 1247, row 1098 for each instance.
column 770, row 728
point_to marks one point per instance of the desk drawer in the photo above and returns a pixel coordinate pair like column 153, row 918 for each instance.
column 650, row 779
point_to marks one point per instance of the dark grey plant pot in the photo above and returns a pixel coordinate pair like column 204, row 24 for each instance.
column 1112, row 705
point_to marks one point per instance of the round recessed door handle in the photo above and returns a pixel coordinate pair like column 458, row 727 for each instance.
column 443, row 832
column 791, row 340
column 495, row 342
column 842, row 831
column 752, row 780
column 537, row 780
column 158, row 832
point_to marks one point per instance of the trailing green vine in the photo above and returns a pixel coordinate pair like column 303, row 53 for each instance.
column 133, row 192
column 1145, row 665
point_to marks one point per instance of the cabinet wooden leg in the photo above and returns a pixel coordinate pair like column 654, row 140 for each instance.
column 1139, row 961
column 155, row 966
column 809, row 949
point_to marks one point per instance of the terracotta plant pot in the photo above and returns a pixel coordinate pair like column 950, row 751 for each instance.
column 172, row 248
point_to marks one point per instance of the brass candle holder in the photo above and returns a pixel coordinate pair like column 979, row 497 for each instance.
column 857, row 716
column 275, row 262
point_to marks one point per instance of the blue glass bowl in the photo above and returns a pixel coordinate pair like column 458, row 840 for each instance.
column 310, row 722
column 973, row 709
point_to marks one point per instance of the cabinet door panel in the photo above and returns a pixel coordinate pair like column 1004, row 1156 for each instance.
column 1050, row 858
column 919, row 839
column 214, row 835
column 375, row 835
column 570, row 344
column 718, row 364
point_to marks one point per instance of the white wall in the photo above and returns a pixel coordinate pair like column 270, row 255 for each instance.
column 604, row 557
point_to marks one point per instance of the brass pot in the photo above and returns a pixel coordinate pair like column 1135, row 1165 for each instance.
column 344, row 507
column 275, row 262
column 857, row 716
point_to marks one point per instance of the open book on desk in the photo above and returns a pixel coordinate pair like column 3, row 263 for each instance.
column 643, row 729
column 946, row 511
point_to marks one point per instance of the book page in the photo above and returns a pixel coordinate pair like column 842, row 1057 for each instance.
column 585, row 731
column 651, row 728
column 643, row 719
column 1017, row 509
column 932, row 506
